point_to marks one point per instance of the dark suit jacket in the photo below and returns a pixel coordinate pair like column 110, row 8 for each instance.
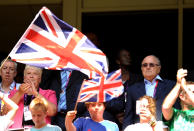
column 51, row 79
column 136, row 91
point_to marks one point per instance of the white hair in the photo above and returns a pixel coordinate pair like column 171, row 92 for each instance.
column 34, row 67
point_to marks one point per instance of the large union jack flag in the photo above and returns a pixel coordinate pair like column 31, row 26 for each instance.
column 51, row 43
column 102, row 90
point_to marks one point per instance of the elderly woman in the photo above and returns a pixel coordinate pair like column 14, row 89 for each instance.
column 27, row 92
column 146, row 110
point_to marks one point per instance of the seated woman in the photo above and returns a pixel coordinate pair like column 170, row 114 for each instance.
column 7, row 119
column 26, row 93
column 146, row 109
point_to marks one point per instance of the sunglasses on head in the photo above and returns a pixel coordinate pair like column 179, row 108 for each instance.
column 149, row 64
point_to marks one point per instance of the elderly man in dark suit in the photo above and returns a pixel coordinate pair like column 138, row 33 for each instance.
column 152, row 85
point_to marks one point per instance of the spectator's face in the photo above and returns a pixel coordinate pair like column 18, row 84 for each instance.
column 185, row 97
column 191, row 88
column 33, row 75
column 93, row 38
column 150, row 67
column 38, row 117
column 145, row 114
column 8, row 71
column 124, row 58
column 96, row 110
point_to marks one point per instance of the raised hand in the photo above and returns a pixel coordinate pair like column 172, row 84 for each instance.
column 144, row 112
column 31, row 90
column 24, row 88
column 181, row 73
column 71, row 115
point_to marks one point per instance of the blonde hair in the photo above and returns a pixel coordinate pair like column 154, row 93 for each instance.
column 9, row 60
column 39, row 103
column 152, row 104
column 34, row 67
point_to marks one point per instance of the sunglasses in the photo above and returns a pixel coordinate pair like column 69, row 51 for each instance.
column 149, row 64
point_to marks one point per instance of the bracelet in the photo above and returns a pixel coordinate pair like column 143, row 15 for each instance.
column 37, row 95
column 152, row 122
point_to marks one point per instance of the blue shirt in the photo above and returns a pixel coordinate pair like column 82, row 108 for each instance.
column 48, row 127
column 150, row 86
column 87, row 124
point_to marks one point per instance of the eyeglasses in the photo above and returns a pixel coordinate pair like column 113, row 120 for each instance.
column 149, row 64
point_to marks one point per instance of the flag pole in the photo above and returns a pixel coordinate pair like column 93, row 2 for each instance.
column 4, row 62
column 75, row 108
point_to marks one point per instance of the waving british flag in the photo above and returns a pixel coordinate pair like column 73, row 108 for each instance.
column 102, row 90
column 51, row 43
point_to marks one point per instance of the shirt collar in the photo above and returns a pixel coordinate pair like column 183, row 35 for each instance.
column 12, row 86
column 156, row 78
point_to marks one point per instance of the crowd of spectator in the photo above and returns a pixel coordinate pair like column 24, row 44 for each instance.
column 46, row 99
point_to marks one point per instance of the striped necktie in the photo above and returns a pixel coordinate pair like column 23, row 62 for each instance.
column 64, row 81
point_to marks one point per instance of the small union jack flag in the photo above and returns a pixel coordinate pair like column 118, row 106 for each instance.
column 51, row 43
column 102, row 90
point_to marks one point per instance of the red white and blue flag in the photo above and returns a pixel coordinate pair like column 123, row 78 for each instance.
column 53, row 44
column 99, row 90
